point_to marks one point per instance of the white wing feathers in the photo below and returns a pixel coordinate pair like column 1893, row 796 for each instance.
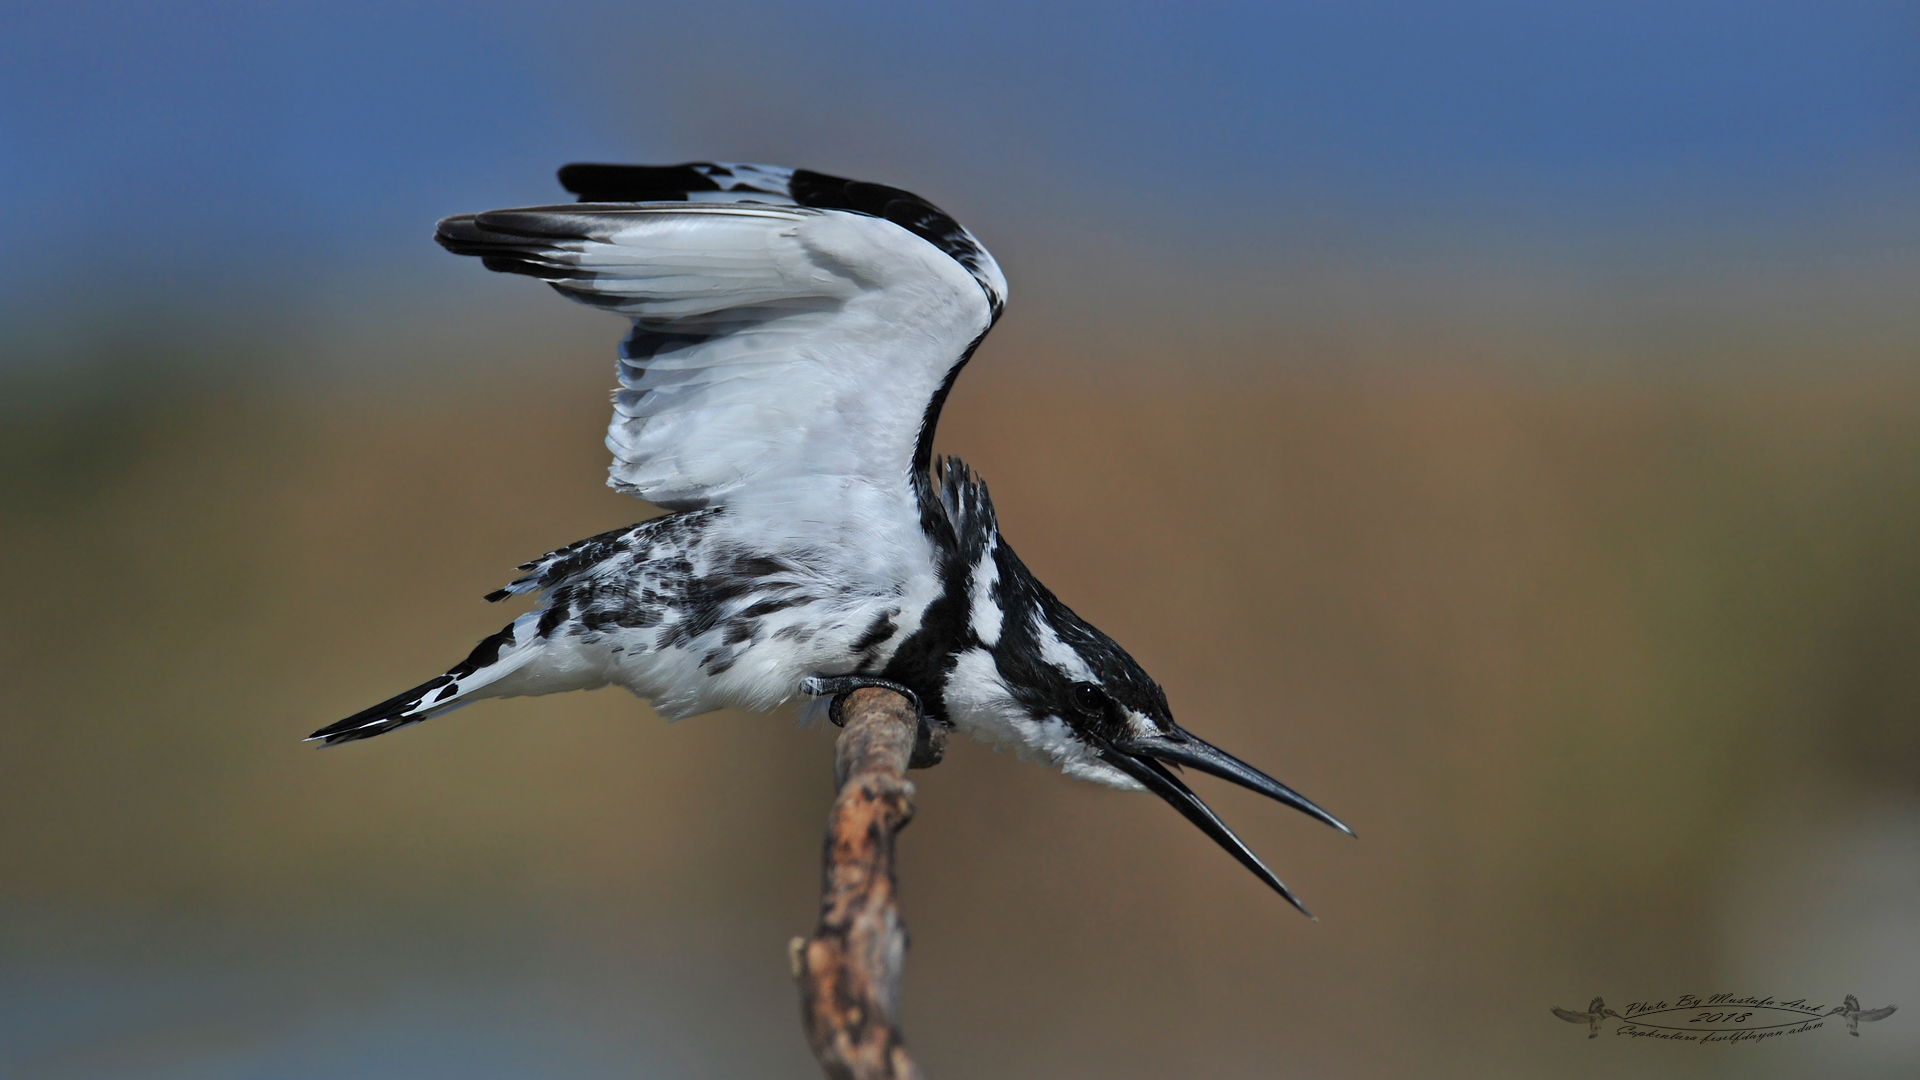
column 771, row 344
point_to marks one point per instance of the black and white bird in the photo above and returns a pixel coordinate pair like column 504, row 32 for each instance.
column 1597, row 1012
column 1852, row 1013
column 794, row 337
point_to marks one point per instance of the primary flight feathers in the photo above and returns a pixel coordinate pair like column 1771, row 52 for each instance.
column 784, row 324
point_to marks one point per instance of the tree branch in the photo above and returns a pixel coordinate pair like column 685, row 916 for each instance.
column 849, row 970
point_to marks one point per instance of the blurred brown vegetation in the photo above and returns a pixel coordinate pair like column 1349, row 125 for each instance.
column 1572, row 656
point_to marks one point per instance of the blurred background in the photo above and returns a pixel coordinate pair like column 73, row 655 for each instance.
column 1500, row 421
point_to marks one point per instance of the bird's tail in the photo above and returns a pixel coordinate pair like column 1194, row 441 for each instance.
column 494, row 658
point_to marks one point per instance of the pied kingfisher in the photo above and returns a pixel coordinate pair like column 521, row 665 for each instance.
column 794, row 336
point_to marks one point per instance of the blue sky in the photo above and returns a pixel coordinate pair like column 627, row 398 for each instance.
column 256, row 147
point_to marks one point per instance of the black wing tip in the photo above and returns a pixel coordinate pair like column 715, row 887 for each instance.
column 528, row 241
column 494, row 230
column 603, row 182
column 613, row 185
column 457, row 232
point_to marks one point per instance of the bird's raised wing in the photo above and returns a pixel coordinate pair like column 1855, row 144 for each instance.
column 1570, row 1016
column 1880, row 1013
column 790, row 329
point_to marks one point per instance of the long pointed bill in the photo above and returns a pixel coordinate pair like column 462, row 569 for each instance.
column 1183, row 748
column 1154, row 776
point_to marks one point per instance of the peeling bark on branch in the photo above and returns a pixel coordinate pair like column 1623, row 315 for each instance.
column 849, row 969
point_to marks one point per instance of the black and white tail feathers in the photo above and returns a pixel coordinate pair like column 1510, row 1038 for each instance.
column 496, row 656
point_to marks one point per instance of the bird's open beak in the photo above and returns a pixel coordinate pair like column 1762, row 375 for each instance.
column 1146, row 760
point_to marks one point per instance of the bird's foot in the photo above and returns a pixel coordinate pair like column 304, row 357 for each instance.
column 839, row 686
column 929, row 740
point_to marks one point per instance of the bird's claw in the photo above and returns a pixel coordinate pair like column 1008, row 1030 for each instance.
column 929, row 738
column 839, row 686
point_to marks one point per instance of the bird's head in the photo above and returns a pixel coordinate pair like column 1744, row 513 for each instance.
column 1030, row 673
column 1047, row 682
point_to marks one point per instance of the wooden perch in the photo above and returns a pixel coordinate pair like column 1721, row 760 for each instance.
column 849, row 970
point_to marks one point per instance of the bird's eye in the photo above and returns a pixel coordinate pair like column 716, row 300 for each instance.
column 1089, row 698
